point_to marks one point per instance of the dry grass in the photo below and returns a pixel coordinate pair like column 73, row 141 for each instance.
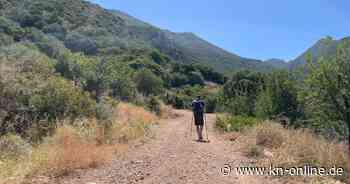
column 270, row 135
column 14, row 153
column 127, row 113
column 85, row 144
column 166, row 112
column 69, row 151
column 297, row 148
column 91, row 145
column 132, row 122
column 59, row 155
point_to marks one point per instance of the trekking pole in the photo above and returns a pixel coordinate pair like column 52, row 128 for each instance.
column 206, row 128
column 191, row 126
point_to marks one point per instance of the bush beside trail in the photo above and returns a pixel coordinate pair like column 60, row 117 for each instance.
column 271, row 144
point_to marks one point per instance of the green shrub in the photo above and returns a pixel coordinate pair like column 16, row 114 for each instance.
column 148, row 83
column 178, row 100
column 58, row 98
column 80, row 43
column 238, row 95
column 11, row 28
column 56, row 30
column 240, row 105
column 255, row 151
column 154, row 105
column 55, row 99
column 105, row 109
column 211, row 103
column 178, row 80
column 264, row 106
column 210, row 74
column 13, row 147
column 235, row 123
column 5, row 39
column 123, row 88
column 22, row 70
column 32, row 95
column 159, row 58
column 279, row 97
column 195, row 78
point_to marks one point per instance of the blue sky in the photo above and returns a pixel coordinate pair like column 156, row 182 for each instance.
column 259, row 29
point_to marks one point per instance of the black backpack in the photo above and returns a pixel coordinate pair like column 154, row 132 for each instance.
column 198, row 106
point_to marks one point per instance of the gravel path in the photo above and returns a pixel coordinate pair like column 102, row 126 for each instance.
column 172, row 156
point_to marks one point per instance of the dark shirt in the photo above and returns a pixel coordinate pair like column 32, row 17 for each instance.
column 201, row 102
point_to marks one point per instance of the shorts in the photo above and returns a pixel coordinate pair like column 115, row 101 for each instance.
column 198, row 118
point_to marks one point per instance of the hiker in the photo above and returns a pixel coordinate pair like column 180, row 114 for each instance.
column 198, row 113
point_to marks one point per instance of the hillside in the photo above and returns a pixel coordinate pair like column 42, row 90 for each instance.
column 89, row 95
column 85, row 27
column 323, row 48
column 277, row 63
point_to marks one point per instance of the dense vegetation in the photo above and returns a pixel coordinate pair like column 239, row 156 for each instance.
column 54, row 61
column 65, row 61
column 88, row 28
column 36, row 87
column 56, row 64
column 309, row 110
column 318, row 99
column 71, row 90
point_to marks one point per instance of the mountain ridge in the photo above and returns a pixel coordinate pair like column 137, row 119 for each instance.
column 86, row 27
column 223, row 59
column 324, row 47
column 82, row 26
column 277, row 63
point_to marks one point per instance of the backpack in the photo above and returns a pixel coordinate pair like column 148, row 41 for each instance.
column 198, row 106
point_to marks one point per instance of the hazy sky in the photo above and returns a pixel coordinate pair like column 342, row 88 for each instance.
column 259, row 29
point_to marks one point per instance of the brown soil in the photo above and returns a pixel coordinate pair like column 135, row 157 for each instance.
column 171, row 156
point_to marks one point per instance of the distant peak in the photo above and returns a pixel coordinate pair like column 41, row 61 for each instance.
column 188, row 33
column 275, row 60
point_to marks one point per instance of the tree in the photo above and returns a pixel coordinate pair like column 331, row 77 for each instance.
column 240, row 93
column 279, row 96
column 30, row 91
column 178, row 79
column 210, row 75
column 148, row 83
column 121, row 83
column 80, row 43
column 327, row 90
column 76, row 67
column 98, row 75
column 195, row 78
column 159, row 58
column 110, row 74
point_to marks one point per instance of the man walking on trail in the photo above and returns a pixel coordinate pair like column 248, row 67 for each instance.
column 198, row 113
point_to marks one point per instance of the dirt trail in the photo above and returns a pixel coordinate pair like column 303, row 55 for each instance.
column 171, row 157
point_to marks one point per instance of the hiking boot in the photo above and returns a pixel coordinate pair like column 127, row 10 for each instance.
column 200, row 139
